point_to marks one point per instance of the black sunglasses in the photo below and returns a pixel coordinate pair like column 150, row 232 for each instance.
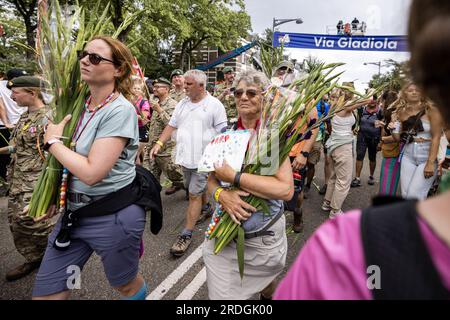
column 250, row 93
column 94, row 58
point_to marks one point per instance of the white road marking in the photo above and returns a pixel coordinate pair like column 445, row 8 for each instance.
column 176, row 275
column 189, row 292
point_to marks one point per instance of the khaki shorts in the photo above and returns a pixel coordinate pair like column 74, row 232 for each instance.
column 314, row 155
column 195, row 181
column 264, row 259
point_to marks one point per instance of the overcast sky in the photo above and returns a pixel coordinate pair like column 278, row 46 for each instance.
column 383, row 17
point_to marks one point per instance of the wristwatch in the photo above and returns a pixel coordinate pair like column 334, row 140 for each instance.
column 305, row 154
column 50, row 142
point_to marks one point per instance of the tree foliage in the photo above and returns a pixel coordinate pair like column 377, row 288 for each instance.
column 393, row 79
column 161, row 29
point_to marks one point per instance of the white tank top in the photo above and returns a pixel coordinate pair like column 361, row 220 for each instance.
column 426, row 133
column 342, row 126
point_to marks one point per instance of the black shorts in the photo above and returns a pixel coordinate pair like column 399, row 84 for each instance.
column 143, row 134
column 364, row 143
column 298, row 187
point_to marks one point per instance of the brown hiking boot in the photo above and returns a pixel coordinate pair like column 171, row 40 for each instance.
column 180, row 246
column 22, row 270
column 298, row 221
column 172, row 190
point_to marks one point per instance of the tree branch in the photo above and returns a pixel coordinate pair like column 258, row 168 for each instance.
column 31, row 8
column 20, row 7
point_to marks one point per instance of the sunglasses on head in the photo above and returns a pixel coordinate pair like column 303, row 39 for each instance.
column 94, row 58
column 250, row 93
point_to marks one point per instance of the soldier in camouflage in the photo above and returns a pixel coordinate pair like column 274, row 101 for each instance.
column 224, row 92
column 26, row 149
column 163, row 162
column 177, row 92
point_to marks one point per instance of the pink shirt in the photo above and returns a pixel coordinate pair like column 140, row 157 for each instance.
column 332, row 266
column 143, row 107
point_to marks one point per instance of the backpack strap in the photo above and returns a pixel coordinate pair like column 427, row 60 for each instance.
column 393, row 242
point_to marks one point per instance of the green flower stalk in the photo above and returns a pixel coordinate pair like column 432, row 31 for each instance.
column 284, row 122
column 59, row 40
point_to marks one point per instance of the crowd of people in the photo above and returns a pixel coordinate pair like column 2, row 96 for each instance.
column 166, row 130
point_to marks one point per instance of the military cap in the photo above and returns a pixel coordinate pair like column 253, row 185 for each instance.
column 350, row 84
column 14, row 73
column 286, row 64
column 25, row 82
column 176, row 72
column 227, row 69
column 162, row 80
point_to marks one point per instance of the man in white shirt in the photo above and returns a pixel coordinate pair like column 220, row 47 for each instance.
column 9, row 115
column 197, row 119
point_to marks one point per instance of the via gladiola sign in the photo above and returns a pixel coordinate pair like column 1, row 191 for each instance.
column 338, row 42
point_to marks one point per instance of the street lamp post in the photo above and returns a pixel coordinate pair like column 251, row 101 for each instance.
column 375, row 63
column 277, row 22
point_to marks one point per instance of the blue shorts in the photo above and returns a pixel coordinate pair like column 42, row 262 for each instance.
column 115, row 238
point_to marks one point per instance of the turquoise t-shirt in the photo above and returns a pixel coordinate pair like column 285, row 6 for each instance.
column 117, row 119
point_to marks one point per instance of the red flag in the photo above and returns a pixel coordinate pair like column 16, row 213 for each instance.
column 137, row 69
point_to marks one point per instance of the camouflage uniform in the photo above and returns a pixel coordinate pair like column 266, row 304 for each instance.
column 163, row 162
column 177, row 95
column 228, row 101
column 30, row 238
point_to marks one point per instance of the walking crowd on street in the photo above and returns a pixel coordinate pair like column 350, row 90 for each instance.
column 134, row 135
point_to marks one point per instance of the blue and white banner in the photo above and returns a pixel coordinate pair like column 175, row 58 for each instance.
column 335, row 42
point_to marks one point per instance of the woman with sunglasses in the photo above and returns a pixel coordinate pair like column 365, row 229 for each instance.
column 101, row 161
column 420, row 132
column 266, row 243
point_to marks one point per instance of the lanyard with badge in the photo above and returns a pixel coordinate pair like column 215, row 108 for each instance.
column 75, row 137
column 62, row 240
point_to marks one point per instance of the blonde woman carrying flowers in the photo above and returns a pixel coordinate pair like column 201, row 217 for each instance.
column 265, row 243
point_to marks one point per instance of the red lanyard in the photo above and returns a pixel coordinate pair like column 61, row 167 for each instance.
column 75, row 138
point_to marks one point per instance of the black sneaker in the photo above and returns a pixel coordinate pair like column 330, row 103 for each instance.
column 323, row 190
column 356, row 183
column 305, row 192
column 371, row 181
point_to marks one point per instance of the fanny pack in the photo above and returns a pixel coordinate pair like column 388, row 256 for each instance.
column 143, row 191
column 390, row 150
column 265, row 231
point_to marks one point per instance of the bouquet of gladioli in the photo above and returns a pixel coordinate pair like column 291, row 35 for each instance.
column 59, row 40
column 282, row 125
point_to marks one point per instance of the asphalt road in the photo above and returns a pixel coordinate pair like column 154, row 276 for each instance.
column 168, row 277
